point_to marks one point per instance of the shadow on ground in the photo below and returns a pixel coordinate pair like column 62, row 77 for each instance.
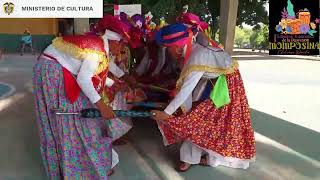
column 298, row 138
column 271, row 162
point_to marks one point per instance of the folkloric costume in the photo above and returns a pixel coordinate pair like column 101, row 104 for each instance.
column 153, row 62
column 115, row 31
column 193, row 21
column 70, row 76
column 150, row 26
column 216, row 116
column 137, row 31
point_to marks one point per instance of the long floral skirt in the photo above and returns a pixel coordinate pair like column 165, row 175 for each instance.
column 71, row 147
column 119, row 126
column 226, row 131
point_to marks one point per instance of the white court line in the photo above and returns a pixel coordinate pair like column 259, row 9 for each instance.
column 244, row 56
column 11, row 91
column 4, row 103
column 263, row 139
column 297, row 57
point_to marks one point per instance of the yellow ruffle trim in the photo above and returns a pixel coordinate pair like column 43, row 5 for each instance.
column 81, row 54
column 210, row 69
column 104, row 97
column 183, row 109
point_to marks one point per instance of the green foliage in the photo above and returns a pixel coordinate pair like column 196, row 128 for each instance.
column 260, row 38
column 251, row 12
column 242, row 36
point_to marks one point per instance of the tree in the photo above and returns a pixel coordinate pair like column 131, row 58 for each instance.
column 253, row 39
column 242, row 36
column 260, row 38
column 251, row 12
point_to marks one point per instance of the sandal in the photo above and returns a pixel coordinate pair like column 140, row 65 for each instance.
column 204, row 161
column 183, row 167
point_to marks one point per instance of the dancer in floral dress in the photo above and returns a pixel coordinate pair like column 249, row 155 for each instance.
column 69, row 76
column 214, row 124
column 118, row 51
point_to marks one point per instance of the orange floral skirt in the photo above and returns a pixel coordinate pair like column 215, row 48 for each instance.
column 226, row 131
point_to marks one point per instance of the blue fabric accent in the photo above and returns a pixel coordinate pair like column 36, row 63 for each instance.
column 171, row 29
column 174, row 28
column 206, row 92
column 144, row 104
column 177, row 38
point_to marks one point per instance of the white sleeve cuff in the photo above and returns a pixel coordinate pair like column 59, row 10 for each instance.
column 169, row 111
column 84, row 80
column 94, row 99
column 185, row 92
column 109, row 82
column 115, row 70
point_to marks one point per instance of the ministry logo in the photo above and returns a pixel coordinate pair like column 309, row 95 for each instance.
column 8, row 8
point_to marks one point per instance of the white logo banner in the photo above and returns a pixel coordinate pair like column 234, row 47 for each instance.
column 130, row 9
column 51, row 9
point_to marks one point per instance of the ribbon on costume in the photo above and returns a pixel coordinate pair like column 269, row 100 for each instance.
column 189, row 47
column 220, row 92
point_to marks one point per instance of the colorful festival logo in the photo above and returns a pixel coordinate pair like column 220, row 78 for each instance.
column 296, row 31
column 296, row 23
column 8, row 8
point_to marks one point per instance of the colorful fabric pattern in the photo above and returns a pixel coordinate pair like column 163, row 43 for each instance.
column 83, row 47
column 226, row 131
column 118, row 127
column 71, row 147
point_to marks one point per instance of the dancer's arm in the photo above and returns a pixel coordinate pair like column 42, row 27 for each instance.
column 84, row 79
column 186, row 90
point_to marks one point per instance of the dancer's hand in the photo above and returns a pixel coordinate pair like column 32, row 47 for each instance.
column 159, row 115
column 130, row 80
column 125, row 88
column 161, row 105
column 106, row 111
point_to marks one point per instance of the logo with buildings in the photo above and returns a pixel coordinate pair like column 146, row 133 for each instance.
column 296, row 30
column 8, row 8
column 296, row 23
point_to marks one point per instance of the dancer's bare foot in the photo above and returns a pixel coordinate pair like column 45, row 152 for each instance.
column 110, row 172
column 183, row 166
column 204, row 161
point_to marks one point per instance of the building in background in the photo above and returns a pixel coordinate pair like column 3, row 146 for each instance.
column 11, row 30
